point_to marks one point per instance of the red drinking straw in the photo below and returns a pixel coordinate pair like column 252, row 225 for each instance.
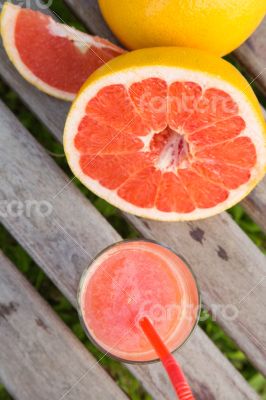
column 171, row 366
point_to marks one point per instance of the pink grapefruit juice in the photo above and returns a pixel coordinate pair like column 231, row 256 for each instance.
column 130, row 280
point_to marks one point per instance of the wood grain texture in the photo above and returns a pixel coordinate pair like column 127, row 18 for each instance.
column 189, row 358
column 40, row 358
column 252, row 55
column 65, row 241
column 255, row 204
column 28, row 175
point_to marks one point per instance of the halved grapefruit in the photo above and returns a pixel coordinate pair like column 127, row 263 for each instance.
column 167, row 134
column 55, row 58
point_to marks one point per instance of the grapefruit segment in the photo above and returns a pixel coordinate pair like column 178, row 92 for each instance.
column 239, row 152
column 112, row 106
column 94, row 138
column 230, row 177
column 112, row 171
column 172, row 196
column 182, row 100
column 218, row 132
column 141, row 188
column 214, row 105
column 54, row 57
column 150, row 99
column 218, row 103
column 198, row 154
column 204, row 193
column 105, row 169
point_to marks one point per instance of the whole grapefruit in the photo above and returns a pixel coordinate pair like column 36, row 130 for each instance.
column 218, row 26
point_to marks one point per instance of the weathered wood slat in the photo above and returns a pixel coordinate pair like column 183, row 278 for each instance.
column 29, row 175
column 40, row 358
column 252, row 55
column 64, row 242
column 197, row 374
column 255, row 204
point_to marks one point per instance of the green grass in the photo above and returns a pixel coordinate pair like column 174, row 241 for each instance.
column 60, row 304
column 249, row 226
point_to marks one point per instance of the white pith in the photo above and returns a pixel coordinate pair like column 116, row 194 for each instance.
column 253, row 130
column 81, row 40
column 170, row 158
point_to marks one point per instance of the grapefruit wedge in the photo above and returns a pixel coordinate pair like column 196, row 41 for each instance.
column 168, row 134
column 55, row 58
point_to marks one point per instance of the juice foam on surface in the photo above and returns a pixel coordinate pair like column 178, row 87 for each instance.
column 130, row 280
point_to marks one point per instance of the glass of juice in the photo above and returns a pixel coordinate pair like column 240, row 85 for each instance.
column 132, row 279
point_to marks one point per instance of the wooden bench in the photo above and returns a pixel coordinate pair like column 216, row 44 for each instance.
column 39, row 357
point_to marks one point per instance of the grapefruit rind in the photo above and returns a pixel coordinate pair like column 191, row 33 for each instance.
column 118, row 71
column 217, row 26
column 9, row 16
